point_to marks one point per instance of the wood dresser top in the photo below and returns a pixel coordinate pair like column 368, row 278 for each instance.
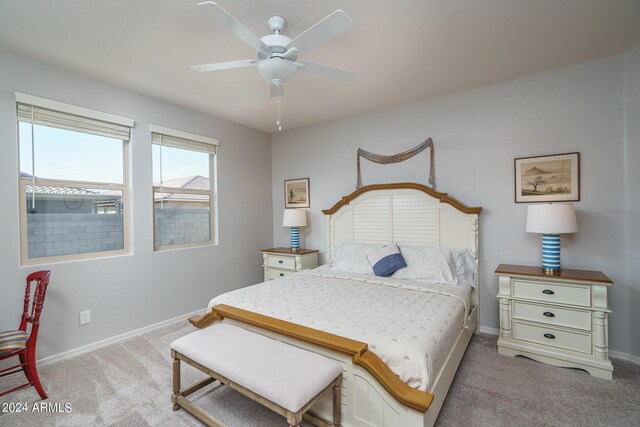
column 564, row 273
column 288, row 251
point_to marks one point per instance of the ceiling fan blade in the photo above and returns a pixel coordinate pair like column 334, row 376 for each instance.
column 276, row 90
column 327, row 71
column 291, row 53
column 223, row 17
column 329, row 27
column 224, row 65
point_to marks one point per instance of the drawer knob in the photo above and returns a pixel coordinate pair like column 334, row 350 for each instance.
column 279, row 261
column 550, row 336
column 548, row 292
column 281, row 274
column 548, row 314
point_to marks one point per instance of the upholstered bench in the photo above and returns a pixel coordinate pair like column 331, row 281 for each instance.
column 284, row 378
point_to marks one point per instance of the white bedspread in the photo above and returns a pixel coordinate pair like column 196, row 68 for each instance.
column 411, row 328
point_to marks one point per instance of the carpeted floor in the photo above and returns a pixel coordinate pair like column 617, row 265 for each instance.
column 129, row 384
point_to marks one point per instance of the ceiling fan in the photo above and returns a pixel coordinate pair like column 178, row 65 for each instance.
column 277, row 53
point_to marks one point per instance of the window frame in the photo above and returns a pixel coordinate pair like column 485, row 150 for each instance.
column 23, row 182
column 212, row 192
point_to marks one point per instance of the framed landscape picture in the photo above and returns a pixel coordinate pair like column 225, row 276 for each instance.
column 554, row 178
column 296, row 193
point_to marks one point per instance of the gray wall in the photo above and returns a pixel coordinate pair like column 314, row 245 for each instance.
column 591, row 108
column 630, row 285
column 128, row 292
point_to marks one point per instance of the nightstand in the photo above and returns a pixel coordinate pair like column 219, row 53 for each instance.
column 279, row 262
column 560, row 320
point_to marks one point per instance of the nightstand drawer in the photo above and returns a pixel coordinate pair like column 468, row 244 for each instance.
column 281, row 262
column 547, row 292
column 274, row 273
column 552, row 337
column 579, row 319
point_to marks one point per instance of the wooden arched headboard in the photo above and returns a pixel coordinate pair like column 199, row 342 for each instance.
column 403, row 212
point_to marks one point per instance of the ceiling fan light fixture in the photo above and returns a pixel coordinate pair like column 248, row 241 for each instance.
column 276, row 68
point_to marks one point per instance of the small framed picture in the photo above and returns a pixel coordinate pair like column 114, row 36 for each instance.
column 554, row 178
column 296, row 193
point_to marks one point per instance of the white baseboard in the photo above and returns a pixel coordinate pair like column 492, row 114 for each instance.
column 89, row 347
column 617, row 354
column 489, row 331
column 625, row 356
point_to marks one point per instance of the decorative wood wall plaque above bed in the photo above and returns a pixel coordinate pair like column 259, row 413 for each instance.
column 397, row 158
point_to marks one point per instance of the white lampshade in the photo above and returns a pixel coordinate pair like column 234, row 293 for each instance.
column 552, row 219
column 294, row 218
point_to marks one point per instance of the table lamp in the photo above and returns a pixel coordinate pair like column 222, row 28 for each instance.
column 551, row 220
column 295, row 218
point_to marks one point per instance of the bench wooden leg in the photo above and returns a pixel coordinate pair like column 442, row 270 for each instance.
column 176, row 380
column 294, row 420
column 337, row 402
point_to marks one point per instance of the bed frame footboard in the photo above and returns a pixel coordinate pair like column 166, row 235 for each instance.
column 372, row 395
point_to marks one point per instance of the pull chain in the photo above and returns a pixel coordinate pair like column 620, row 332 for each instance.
column 279, row 106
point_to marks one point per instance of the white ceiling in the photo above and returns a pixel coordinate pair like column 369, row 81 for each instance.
column 403, row 50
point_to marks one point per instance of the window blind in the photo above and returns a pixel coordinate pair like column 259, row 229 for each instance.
column 71, row 117
column 178, row 139
column 63, row 120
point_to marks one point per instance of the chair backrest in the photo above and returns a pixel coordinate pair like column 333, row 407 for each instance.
column 42, row 280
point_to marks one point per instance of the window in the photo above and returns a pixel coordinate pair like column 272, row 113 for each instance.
column 184, row 189
column 73, row 181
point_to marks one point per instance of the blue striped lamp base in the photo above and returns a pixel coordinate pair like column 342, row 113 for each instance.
column 295, row 238
column 551, row 252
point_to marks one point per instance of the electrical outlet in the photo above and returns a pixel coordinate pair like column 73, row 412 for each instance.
column 85, row 317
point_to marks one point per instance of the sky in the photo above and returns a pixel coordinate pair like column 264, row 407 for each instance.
column 177, row 163
column 77, row 156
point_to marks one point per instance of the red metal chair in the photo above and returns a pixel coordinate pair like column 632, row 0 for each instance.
column 22, row 343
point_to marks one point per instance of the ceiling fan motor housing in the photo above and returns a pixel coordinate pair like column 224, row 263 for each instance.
column 277, row 43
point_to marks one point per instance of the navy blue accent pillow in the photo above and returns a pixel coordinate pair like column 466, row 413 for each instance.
column 386, row 261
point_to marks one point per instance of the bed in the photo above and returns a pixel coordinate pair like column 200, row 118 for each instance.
column 399, row 341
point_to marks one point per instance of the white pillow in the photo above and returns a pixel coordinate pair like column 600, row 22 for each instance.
column 466, row 266
column 352, row 257
column 432, row 264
